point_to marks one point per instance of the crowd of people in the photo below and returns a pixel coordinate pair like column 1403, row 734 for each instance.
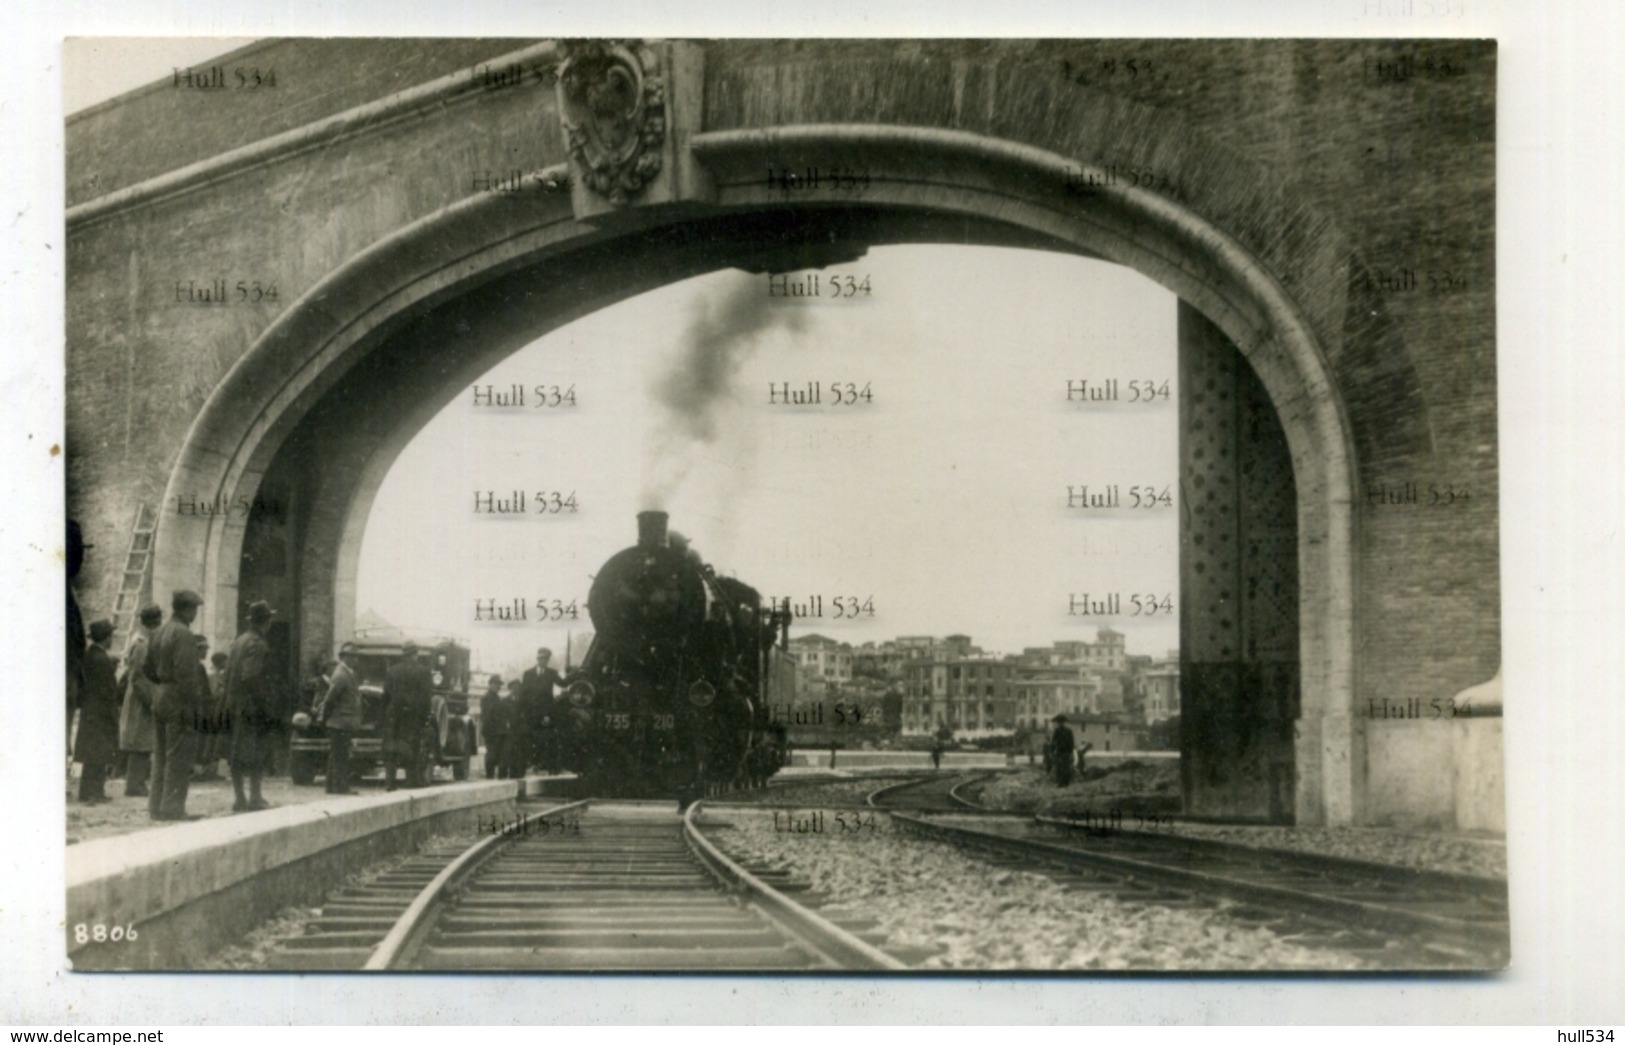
column 410, row 703
column 167, row 713
column 526, row 722
column 162, row 718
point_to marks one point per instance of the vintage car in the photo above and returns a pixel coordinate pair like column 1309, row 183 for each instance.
column 449, row 732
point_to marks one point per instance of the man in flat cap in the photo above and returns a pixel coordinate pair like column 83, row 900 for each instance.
column 251, row 701
column 178, row 704
column 137, row 730
column 408, row 694
column 97, row 742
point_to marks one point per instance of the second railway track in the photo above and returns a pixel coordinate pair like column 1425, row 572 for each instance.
column 1391, row 915
column 932, row 794
column 1424, row 919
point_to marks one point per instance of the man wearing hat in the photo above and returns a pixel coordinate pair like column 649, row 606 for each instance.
column 137, row 730
column 251, row 701
column 494, row 715
column 408, row 694
column 340, row 714
column 97, row 742
column 178, row 703
column 1062, row 751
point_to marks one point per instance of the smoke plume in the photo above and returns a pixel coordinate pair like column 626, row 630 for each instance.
column 693, row 392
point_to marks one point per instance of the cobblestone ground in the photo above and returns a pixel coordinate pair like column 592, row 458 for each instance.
column 1155, row 789
column 1132, row 786
column 211, row 798
column 978, row 916
column 1460, row 854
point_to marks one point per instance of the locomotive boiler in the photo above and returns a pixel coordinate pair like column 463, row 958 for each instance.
column 673, row 697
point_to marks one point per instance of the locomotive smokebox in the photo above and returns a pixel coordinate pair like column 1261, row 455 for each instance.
column 652, row 529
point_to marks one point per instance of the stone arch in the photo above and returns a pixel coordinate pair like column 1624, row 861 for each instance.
column 524, row 264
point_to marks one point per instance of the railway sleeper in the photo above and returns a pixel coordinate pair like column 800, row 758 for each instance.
column 593, row 899
column 754, row 934
column 588, row 959
column 335, row 960
column 725, row 918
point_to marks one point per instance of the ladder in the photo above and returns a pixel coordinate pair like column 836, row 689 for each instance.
column 137, row 570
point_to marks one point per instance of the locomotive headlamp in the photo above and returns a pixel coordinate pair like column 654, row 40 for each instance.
column 701, row 694
column 581, row 693
column 301, row 720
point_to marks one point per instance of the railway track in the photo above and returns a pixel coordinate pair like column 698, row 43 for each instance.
column 1389, row 915
column 576, row 887
column 932, row 794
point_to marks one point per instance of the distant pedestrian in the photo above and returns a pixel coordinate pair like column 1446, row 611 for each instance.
column 1063, row 747
column 250, row 685
column 340, row 714
column 936, row 754
column 178, row 703
column 137, row 729
column 97, row 742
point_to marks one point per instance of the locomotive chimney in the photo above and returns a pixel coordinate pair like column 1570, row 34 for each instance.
column 652, row 529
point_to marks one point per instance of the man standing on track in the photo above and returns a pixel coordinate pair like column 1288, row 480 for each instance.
column 1063, row 751
column 178, row 703
column 408, row 694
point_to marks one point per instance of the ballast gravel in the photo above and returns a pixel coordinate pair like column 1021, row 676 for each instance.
column 974, row 915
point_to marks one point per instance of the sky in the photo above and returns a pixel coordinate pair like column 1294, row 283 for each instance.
column 941, row 500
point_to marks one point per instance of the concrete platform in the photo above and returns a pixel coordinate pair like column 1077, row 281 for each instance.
column 192, row 888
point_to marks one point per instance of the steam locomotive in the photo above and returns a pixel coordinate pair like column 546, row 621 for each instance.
column 673, row 697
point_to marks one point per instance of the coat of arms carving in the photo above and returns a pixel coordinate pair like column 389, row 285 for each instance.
column 614, row 112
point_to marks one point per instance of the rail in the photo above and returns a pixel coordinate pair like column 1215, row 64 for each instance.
column 410, row 930
column 841, row 948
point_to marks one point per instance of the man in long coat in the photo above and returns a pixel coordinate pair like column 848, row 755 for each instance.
column 408, row 694
column 137, row 730
column 542, row 741
column 251, row 702
column 1063, row 751
column 97, row 742
column 178, row 704
column 494, row 728
column 76, row 628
